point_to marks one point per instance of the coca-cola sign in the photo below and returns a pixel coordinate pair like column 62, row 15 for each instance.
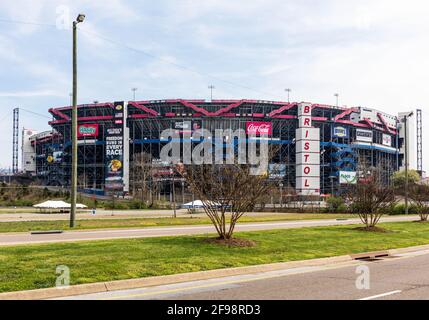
column 259, row 128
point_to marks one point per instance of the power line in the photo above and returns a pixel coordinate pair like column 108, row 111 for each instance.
column 123, row 45
column 5, row 117
column 27, row 23
column 35, row 113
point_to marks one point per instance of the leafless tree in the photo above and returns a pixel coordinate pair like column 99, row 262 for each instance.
column 227, row 191
column 419, row 194
column 370, row 198
column 142, row 174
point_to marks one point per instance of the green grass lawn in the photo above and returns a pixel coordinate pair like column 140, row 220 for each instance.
column 25, row 226
column 32, row 267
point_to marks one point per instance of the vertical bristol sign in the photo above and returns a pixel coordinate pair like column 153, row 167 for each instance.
column 307, row 154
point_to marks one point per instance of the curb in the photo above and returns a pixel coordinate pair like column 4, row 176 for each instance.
column 52, row 293
column 409, row 249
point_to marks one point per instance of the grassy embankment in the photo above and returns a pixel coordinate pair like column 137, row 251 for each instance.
column 32, row 267
column 25, row 226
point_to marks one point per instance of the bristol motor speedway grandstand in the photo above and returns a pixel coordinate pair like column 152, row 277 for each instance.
column 114, row 136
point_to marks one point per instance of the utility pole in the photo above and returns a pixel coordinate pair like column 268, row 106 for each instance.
column 80, row 18
column 288, row 94
column 211, row 87
column 406, row 159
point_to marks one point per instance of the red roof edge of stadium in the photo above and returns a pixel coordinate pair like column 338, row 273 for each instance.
column 275, row 114
column 97, row 118
column 282, row 109
column 383, row 121
column 144, row 108
column 345, row 114
column 57, row 112
column 92, row 105
column 203, row 111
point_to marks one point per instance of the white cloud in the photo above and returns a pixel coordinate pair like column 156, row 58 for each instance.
column 373, row 52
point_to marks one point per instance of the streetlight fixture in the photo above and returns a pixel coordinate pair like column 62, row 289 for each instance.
column 288, row 94
column 337, row 95
column 80, row 18
column 405, row 121
column 211, row 87
column 134, row 90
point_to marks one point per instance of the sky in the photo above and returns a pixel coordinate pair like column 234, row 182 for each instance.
column 374, row 53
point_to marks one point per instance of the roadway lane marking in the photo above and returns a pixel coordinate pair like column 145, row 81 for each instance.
column 382, row 295
column 259, row 277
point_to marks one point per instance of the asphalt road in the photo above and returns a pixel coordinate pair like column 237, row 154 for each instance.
column 100, row 214
column 27, row 238
column 405, row 276
column 110, row 215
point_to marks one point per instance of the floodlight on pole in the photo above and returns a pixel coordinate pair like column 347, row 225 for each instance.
column 211, row 87
column 80, row 18
column 405, row 120
column 288, row 94
column 134, row 90
column 337, row 95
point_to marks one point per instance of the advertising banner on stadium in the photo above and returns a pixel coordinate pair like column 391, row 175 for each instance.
column 347, row 177
column 259, row 128
column 276, row 171
column 114, row 182
column 340, row 132
column 114, row 157
column 364, row 135
column 187, row 127
column 87, row 130
column 387, row 140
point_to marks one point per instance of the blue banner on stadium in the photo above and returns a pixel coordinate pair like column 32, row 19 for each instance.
column 340, row 132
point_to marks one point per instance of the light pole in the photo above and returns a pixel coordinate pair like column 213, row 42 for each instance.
column 405, row 120
column 80, row 18
column 211, row 87
column 134, row 90
column 337, row 95
column 288, row 94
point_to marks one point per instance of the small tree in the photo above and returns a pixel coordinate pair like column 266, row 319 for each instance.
column 335, row 205
column 398, row 180
column 419, row 194
column 227, row 191
column 143, row 182
column 370, row 198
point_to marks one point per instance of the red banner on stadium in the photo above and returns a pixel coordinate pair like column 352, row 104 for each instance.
column 87, row 130
column 259, row 128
